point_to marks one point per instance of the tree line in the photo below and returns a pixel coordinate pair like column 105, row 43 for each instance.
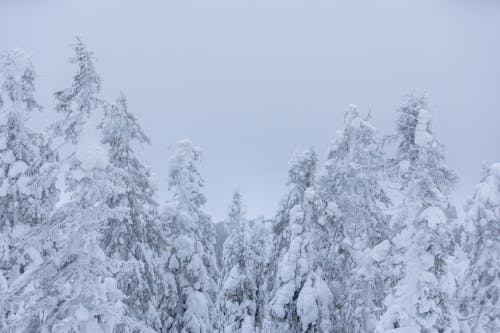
column 365, row 241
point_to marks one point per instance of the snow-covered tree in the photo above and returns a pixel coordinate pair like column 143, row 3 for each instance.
column 28, row 190
column 237, row 299
column 78, row 102
column 192, row 259
column 480, row 292
column 73, row 289
column 131, row 234
column 420, row 298
column 351, row 184
column 299, row 297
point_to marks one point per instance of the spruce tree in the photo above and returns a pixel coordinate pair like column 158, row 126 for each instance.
column 299, row 297
column 420, row 298
column 28, row 190
column 351, row 184
column 237, row 299
column 192, row 261
column 131, row 233
column 480, row 291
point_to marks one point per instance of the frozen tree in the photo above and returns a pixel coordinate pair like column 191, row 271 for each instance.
column 192, row 259
column 299, row 297
column 480, row 293
column 78, row 102
column 27, row 169
column 96, row 273
column 237, row 300
column 61, row 296
column 131, row 234
column 420, row 298
column 27, row 188
column 351, row 183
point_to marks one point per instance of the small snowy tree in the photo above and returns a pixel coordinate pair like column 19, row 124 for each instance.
column 78, row 102
column 299, row 297
column 421, row 298
column 480, row 293
column 192, row 259
column 237, row 300
column 351, row 183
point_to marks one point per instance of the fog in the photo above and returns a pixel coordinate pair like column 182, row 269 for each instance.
column 251, row 81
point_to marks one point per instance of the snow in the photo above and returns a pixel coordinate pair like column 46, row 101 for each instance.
column 8, row 157
column 17, row 168
column 89, row 150
column 422, row 135
column 307, row 309
column 434, row 216
column 380, row 251
column 82, row 314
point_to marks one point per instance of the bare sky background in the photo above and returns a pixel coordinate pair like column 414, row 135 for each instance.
column 251, row 81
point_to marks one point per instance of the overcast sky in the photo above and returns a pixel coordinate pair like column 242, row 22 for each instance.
column 251, row 81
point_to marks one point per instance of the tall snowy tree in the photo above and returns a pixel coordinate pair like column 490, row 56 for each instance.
column 131, row 234
column 89, row 282
column 28, row 190
column 74, row 290
column 480, row 292
column 237, row 299
column 299, row 297
column 421, row 295
column 192, row 259
column 351, row 183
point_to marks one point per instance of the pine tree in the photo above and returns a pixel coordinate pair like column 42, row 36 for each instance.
column 131, row 234
column 87, row 283
column 351, row 183
column 75, row 290
column 237, row 300
column 192, row 260
column 78, row 102
column 299, row 297
column 480, row 292
column 28, row 190
column 420, row 299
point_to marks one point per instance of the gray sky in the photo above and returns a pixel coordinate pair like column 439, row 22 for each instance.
column 250, row 81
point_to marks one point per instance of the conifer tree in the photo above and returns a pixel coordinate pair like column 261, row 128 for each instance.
column 237, row 300
column 192, row 260
column 28, row 190
column 421, row 298
column 131, row 233
column 299, row 297
column 480, row 292
column 351, row 184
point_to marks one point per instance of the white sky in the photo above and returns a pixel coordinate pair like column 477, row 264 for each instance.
column 250, row 81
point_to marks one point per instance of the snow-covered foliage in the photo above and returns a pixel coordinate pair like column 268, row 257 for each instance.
column 191, row 262
column 28, row 166
column 351, row 185
column 237, row 300
column 299, row 297
column 27, row 163
column 80, row 100
column 421, row 283
column 368, row 245
column 93, row 265
column 480, row 292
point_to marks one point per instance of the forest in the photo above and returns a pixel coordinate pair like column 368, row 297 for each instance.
column 366, row 240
